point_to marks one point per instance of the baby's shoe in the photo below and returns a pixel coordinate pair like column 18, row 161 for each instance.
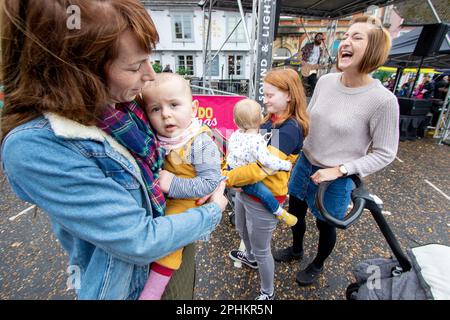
column 287, row 218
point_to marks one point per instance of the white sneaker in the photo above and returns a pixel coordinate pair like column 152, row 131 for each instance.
column 265, row 296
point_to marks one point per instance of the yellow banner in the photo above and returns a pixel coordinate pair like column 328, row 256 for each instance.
column 423, row 70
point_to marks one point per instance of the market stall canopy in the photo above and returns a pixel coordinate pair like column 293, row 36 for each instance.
column 401, row 54
column 314, row 8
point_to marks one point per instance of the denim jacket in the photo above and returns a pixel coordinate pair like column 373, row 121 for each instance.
column 91, row 188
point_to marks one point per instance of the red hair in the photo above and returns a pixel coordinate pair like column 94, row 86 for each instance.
column 287, row 80
column 49, row 67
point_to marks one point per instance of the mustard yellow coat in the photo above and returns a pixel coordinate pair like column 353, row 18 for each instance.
column 178, row 163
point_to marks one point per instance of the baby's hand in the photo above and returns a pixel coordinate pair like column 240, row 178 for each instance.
column 218, row 196
column 288, row 166
column 165, row 180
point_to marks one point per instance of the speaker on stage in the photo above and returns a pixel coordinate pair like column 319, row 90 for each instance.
column 430, row 39
column 414, row 107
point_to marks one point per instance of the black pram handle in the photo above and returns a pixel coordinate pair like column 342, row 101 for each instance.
column 359, row 196
column 362, row 199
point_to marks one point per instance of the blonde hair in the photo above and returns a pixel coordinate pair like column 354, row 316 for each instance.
column 162, row 78
column 247, row 114
column 378, row 46
column 287, row 80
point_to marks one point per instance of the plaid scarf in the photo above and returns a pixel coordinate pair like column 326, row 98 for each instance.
column 128, row 124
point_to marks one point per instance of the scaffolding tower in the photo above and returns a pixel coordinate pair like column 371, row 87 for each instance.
column 259, row 40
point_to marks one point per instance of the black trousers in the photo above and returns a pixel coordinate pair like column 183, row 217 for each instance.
column 327, row 233
column 309, row 84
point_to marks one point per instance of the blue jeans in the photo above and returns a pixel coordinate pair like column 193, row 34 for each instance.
column 337, row 196
column 263, row 193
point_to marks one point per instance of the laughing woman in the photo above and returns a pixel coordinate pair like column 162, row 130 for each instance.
column 349, row 112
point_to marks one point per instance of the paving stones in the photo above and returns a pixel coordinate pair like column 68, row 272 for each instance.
column 33, row 265
column 416, row 213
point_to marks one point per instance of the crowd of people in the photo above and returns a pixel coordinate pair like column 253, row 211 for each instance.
column 434, row 89
column 114, row 155
column 430, row 87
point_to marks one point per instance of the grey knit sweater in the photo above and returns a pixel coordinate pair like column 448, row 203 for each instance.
column 345, row 122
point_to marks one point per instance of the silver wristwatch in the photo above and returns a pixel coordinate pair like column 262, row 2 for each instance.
column 343, row 170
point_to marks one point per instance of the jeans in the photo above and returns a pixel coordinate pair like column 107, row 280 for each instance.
column 337, row 196
column 263, row 193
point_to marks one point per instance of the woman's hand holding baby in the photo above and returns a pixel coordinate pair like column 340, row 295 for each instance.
column 217, row 197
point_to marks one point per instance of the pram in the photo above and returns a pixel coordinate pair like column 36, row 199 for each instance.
column 422, row 274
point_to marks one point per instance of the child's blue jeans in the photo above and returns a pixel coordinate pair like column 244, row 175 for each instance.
column 263, row 193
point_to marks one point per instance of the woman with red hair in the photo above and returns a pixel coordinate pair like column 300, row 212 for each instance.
column 287, row 124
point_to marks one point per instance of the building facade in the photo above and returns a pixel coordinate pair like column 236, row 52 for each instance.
column 180, row 25
column 181, row 44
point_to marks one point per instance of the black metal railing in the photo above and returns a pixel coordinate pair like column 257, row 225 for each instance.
column 236, row 87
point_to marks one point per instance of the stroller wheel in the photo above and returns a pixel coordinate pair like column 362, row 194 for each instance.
column 351, row 291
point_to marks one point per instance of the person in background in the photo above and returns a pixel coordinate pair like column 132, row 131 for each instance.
column 440, row 93
column 426, row 89
column 167, row 68
column 441, row 88
column 311, row 53
column 391, row 84
column 405, row 89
